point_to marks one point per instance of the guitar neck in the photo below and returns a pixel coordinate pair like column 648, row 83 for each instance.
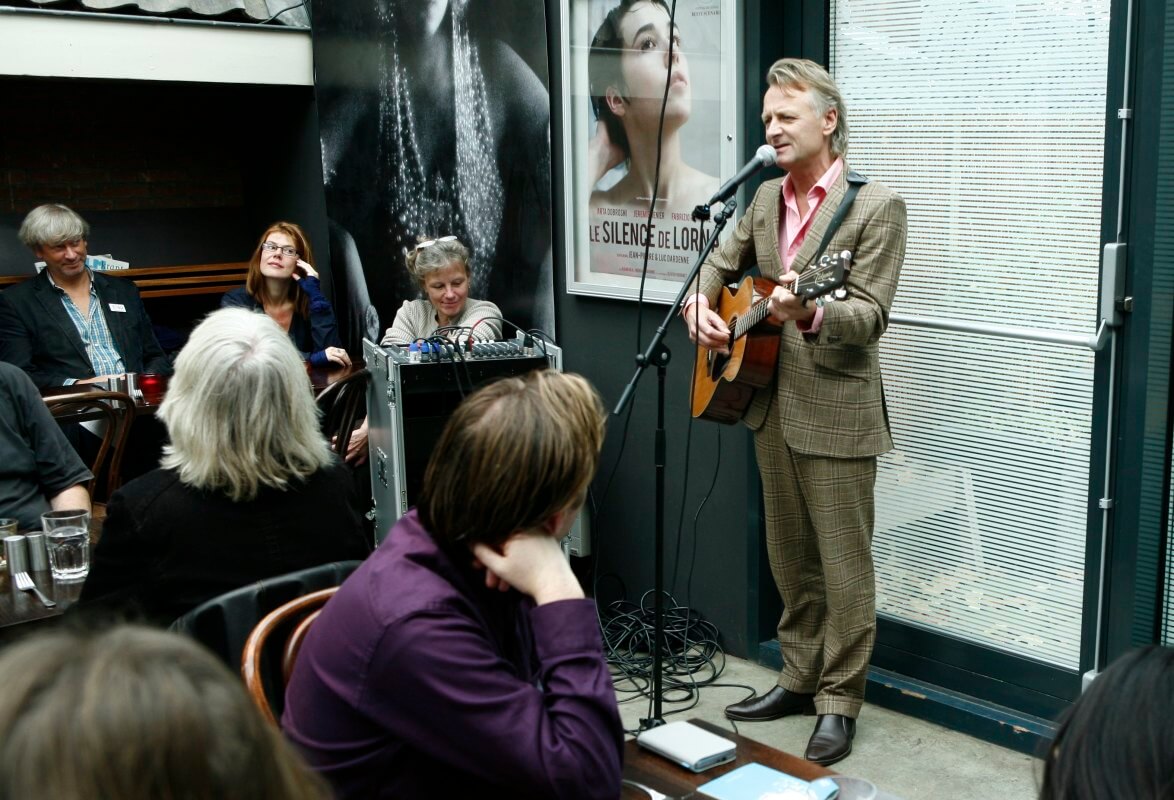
column 759, row 310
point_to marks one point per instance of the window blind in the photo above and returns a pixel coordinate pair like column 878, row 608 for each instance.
column 988, row 117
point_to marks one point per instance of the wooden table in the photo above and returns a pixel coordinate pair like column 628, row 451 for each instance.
column 657, row 772
column 17, row 607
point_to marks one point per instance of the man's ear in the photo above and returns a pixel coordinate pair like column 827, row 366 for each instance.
column 615, row 101
column 831, row 121
column 554, row 523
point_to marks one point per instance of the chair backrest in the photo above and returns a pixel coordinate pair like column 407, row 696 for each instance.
column 344, row 405
column 223, row 624
column 117, row 411
column 258, row 662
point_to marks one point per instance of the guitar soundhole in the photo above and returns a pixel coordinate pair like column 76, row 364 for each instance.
column 717, row 364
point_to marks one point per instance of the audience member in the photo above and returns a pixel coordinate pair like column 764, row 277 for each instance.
column 441, row 269
column 426, row 674
column 283, row 283
column 248, row 488
column 39, row 470
column 1116, row 741
column 69, row 324
column 136, row 714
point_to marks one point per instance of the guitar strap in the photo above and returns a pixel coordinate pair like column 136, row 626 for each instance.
column 855, row 182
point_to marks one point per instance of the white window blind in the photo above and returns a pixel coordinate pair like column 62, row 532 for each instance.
column 988, row 117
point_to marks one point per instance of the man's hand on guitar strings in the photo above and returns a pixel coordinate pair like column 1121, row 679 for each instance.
column 706, row 327
column 784, row 304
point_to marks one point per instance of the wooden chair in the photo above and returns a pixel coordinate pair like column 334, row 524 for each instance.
column 299, row 614
column 344, row 406
column 117, row 411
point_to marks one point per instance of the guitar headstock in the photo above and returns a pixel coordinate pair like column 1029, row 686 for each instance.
column 828, row 274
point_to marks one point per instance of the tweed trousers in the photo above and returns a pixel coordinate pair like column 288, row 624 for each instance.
column 819, row 523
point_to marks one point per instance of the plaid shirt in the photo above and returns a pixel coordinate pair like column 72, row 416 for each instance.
column 100, row 347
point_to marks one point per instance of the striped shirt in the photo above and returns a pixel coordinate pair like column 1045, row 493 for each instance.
column 95, row 334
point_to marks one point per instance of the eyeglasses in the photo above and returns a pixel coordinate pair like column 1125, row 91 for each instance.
column 430, row 242
column 272, row 247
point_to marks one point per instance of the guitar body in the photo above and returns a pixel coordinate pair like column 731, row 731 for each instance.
column 723, row 386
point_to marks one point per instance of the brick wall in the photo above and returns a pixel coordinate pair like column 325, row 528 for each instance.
column 99, row 146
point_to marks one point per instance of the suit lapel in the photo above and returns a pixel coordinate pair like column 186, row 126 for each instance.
column 823, row 217
column 774, row 200
column 51, row 301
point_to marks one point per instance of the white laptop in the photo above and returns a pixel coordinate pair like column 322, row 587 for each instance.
column 686, row 744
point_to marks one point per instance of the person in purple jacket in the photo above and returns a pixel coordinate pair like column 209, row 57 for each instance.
column 462, row 654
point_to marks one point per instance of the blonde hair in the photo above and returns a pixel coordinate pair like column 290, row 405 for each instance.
column 806, row 75
column 136, row 713
column 423, row 260
column 239, row 409
column 52, row 224
column 512, row 455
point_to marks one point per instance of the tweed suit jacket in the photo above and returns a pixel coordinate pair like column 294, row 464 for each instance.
column 827, row 387
column 37, row 335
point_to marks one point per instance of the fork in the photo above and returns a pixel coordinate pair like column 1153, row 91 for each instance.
column 24, row 582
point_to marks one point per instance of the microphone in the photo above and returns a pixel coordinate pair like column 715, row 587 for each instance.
column 763, row 157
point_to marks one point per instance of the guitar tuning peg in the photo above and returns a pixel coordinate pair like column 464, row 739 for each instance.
column 840, row 294
column 846, row 256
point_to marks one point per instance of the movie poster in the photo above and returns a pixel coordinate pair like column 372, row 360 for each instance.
column 434, row 119
column 621, row 56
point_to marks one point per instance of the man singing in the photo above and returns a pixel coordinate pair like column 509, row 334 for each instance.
column 820, row 426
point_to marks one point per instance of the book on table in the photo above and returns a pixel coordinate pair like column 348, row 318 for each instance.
column 759, row 782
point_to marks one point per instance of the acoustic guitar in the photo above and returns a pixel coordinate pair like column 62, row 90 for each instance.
column 723, row 385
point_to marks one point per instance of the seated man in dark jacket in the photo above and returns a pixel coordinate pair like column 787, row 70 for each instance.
column 68, row 324
column 38, row 468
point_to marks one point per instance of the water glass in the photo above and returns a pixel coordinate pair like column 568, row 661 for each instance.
column 7, row 528
column 67, row 533
column 854, row 788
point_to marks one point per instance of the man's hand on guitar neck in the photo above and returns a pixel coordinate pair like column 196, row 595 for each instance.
column 705, row 326
column 785, row 304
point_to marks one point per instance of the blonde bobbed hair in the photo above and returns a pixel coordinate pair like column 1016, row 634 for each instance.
column 424, row 259
column 240, row 410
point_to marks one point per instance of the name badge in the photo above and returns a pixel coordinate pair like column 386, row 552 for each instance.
column 118, row 307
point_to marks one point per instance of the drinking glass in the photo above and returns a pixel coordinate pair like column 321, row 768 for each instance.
column 854, row 788
column 67, row 532
column 7, row 528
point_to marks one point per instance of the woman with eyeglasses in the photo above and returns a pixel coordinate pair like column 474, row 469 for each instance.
column 283, row 283
column 440, row 266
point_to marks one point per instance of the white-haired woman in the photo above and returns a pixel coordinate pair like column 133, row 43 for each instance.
column 247, row 489
column 440, row 267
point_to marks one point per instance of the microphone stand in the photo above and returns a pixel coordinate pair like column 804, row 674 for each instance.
column 658, row 354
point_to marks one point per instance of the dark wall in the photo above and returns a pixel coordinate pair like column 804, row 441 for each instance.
column 165, row 173
column 730, row 583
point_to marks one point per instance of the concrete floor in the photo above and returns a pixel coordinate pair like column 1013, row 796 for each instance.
column 906, row 757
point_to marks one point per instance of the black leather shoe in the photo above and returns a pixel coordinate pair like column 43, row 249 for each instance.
column 832, row 739
column 776, row 703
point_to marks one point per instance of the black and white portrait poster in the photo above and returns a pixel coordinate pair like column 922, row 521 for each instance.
column 621, row 55
column 434, row 119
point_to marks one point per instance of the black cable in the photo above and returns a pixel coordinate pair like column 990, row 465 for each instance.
column 282, row 11
column 697, row 516
column 664, row 101
column 691, row 655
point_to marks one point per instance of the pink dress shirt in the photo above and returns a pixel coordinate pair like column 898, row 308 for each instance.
column 793, row 227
